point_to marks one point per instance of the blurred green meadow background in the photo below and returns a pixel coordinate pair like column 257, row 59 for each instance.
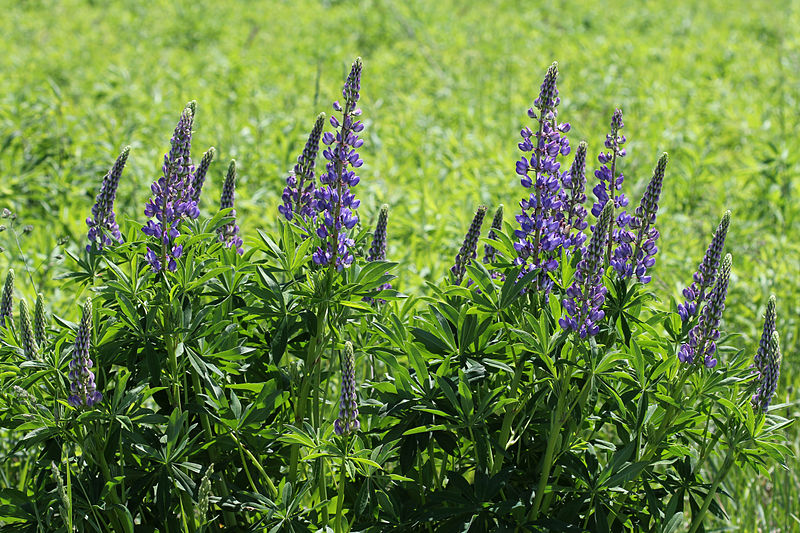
column 445, row 89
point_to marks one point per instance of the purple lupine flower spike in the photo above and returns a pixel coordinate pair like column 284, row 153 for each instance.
column 348, row 403
column 540, row 236
column 585, row 297
column 377, row 251
column 573, row 196
column 335, row 204
column 7, row 300
column 469, row 248
column 611, row 182
column 702, row 338
column 200, row 173
column 706, row 273
column 173, row 197
column 40, row 321
column 490, row 253
column 29, row 346
column 638, row 255
column 298, row 196
column 766, row 335
column 229, row 233
column 103, row 224
column 768, row 378
column 82, row 386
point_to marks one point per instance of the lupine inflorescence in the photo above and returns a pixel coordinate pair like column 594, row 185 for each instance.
column 706, row 273
column 586, row 295
column 40, row 321
column 82, row 386
column 377, row 250
column 200, row 173
column 469, row 248
column 768, row 377
column 334, row 200
column 490, row 252
column 29, row 345
column 173, row 197
column 229, row 233
column 102, row 224
column 636, row 250
column 348, row 404
column 611, row 181
column 573, row 183
column 702, row 337
column 767, row 359
column 7, row 300
column 540, row 236
column 298, row 196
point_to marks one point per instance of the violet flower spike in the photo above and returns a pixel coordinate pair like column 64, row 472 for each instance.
column 706, row 273
column 298, row 196
column 490, row 253
column 103, row 227
column 636, row 256
column 347, row 422
column 540, row 236
column 469, row 248
column 573, row 184
column 335, row 203
column 377, row 251
column 769, row 328
column 7, row 300
column 611, row 181
column 200, row 174
column 173, row 197
column 82, row 386
column 40, row 321
column 585, row 297
column 29, row 346
column 768, row 378
column 229, row 233
column 702, row 337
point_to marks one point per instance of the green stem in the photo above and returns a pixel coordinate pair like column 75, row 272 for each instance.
column 340, row 496
column 697, row 521
column 511, row 408
column 272, row 489
column 552, row 438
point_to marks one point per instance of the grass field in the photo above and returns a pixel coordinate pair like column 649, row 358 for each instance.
column 445, row 88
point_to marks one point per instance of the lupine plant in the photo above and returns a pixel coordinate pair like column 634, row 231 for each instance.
column 230, row 378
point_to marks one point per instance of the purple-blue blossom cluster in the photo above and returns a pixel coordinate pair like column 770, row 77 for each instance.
column 298, row 196
column 469, row 248
column 377, row 250
column 703, row 336
column 7, row 300
column 636, row 248
column 348, row 404
column 587, row 294
column 334, row 202
column 706, row 272
column 200, row 173
column 173, row 197
column 103, row 222
column 229, row 233
column 767, row 360
column 29, row 346
column 573, row 184
column 82, row 386
column 540, row 236
column 611, row 182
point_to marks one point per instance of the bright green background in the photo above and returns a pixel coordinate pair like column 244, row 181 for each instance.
column 444, row 92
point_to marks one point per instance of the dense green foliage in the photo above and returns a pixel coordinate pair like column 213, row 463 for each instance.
column 714, row 84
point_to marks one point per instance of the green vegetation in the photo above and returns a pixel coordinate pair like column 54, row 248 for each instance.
column 446, row 84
